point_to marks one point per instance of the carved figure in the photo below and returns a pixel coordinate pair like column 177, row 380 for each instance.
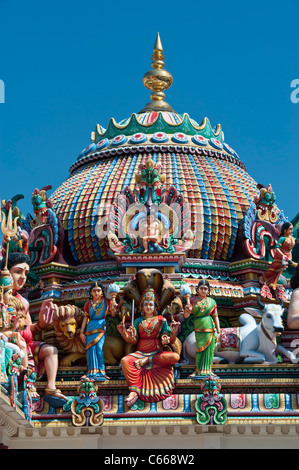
column 211, row 407
column 206, row 328
column 39, row 355
column 150, row 219
column 261, row 224
column 87, row 408
column 12, row 320
column 93, row 330
column 282, row 259
column 150, row 233
column 45, row 230
column 19, row 241
column 67, row 321
column 149, row 370
column 253, row 343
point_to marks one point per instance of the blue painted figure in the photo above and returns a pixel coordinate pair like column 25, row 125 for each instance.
column 93, row 330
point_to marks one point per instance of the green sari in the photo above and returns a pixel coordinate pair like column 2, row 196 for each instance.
column 205, row 333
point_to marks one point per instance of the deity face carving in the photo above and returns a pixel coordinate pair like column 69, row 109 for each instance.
column 289, row 231
column 202, row 291
column 148, row 308
column 19, row 273
column 97, row 293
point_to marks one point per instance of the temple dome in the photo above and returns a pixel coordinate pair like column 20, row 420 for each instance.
column 195, row 159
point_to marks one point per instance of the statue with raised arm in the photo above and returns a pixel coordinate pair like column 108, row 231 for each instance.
column 149, row 370
column 40, row 356
column 93, row 328
column 206, row 327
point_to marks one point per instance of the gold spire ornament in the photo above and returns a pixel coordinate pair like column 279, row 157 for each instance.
column 157, row 80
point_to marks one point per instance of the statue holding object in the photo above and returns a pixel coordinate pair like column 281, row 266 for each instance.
column 282, row 260
column 150, row 219
column 149, row 370
column 40, row 356
column 206, row 327
column 93, row 328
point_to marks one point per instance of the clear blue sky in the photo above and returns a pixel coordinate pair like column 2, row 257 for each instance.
column 70, row 65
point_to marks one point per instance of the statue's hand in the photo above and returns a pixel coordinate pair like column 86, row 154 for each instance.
column 121, row 328
column 46, row 313
column 187, row 310
column 174, row 326
column 82, row 337
column 132, row 331
column 165, row 339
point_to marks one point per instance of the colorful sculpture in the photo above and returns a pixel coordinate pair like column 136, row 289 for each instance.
column 211, row 407
column 261, row 224
column 19, row 240
column 206, row 327
column 39, row 355
column 149, row 370
column 45, row 230
column 87, row 408
column 150, row 219
column 93, row 329
column 67, row 321
column 252, row 342
column 281, row 260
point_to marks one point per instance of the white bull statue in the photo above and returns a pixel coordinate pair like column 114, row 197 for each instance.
column 253, row 344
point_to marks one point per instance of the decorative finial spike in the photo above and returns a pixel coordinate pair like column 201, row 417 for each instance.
column 158, row 44
column 157, row 80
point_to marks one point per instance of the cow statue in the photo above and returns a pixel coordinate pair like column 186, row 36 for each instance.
column 251, row 343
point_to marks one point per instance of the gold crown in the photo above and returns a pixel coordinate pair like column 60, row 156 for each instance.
column 149, row 295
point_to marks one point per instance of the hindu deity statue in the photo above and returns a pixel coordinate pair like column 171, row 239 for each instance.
column 149, row 370
column 281, row 260
column 39, row 356
column 12, row 321
column 93, row 328
column 150, row 219
column 206, row 327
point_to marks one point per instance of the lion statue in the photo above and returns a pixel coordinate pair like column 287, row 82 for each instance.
column 67, row 321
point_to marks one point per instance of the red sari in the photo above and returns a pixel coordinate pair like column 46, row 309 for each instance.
column 154, row 381
column 279, row 263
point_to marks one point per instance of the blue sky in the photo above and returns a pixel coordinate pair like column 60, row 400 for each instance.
column 68, row 66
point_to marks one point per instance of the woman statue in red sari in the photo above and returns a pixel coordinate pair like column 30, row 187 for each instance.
column 149, row 370
column 282, row 258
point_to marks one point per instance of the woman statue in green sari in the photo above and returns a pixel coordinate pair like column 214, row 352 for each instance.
column 206, row 327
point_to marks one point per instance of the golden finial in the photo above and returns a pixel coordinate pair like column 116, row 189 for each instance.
column 157, row 80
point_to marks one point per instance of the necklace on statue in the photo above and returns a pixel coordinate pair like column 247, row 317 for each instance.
column 202, row 304
column 97, row 306
column 149, row 325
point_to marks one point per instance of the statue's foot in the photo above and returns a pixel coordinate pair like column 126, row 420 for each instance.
column 196, row 373
column 55, row 393
column 98, row 376
column 141, row 363
column 145, row 251
column 131, row 399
